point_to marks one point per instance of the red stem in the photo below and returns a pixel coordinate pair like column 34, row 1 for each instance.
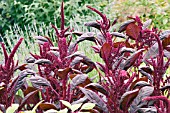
column 164, row 99
column 7, row 64
column 5, row 52
column 62, row 16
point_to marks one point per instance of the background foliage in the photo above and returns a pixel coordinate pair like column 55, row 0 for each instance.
column 29, row 18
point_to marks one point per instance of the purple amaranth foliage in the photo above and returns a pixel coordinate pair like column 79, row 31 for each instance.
column 162, row 98
column 6, row 74
column 60, row 64
column 122, row 62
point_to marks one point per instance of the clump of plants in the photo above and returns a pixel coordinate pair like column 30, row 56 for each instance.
column 132, row 78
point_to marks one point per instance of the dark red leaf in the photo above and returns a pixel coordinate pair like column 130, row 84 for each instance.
column 137, row 80
column 106, row 51
column 147, row 110
column 124, row 25
column 97, row 87
column 62, row 73
column 47, row 106
column 133, row 31
column 75, row 61
column 35, row 98
column 149, row 76
column 147, row 69
column 26, row 98
column 21, row 67
column 131, row 60
column 122, row 43
column 127, row 98
column 125, row 49
column 100, row 38
column 166, row 42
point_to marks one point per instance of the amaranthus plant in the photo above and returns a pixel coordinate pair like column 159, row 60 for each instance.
column 133, row 67
column 58, row 65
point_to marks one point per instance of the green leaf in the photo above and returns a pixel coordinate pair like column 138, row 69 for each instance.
column 75, row 107
column 66, row 103
column 12, row 108
column 88, row 106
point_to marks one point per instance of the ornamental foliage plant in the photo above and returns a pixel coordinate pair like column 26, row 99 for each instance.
column 133, row 77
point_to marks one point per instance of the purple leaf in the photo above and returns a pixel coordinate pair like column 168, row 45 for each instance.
column 26, row 98
column 38, row 81
column 93, row 97
column 117, row 34
column 146, row 24
column 143, row 92
column 127, row 98
column 79, row 79
column 164, row 34
column 42, row 61
column 93, row 24
column 131, row 60
column 96, row 87
column 86, row 36
column 124, row 25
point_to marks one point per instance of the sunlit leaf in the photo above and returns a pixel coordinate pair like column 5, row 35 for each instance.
column 88, row 106
column 75, row 107
column 12, row 108
column 67, row 104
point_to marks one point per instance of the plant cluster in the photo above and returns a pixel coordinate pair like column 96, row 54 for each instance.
column 132, row 78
